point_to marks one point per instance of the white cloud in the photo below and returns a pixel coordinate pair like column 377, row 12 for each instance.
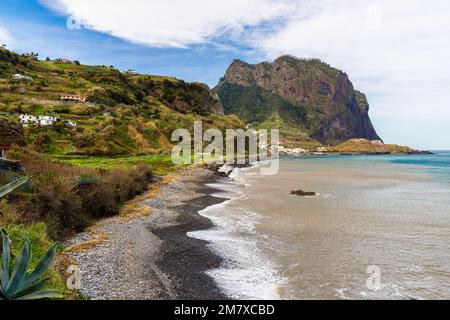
column 171, row 23
column 5, row 37
column 395, row 51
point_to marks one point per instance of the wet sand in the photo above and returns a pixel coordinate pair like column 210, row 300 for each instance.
column 184, row 260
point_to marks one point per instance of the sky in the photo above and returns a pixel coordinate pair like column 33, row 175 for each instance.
column 397, row 52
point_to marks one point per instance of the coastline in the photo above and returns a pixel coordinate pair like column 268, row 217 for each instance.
column 150, row 257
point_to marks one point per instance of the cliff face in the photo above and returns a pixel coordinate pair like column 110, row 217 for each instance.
column 187, row 97
column 306, row 94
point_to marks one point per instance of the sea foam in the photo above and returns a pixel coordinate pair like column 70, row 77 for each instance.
column 245, row 273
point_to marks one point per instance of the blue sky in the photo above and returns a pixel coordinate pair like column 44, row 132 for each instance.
column 394, row 51
column 34, row 27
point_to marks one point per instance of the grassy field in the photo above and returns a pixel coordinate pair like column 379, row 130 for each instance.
column 159, row 164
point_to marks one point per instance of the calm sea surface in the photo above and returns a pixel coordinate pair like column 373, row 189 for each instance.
column 379, row 229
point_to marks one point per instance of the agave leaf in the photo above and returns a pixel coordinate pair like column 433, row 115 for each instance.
column 5, row 260
column 13, row 185
column 35, row 287
column 20, row 268
column 1, row 276
column 2, row 296
column 42, row 294
column 40, row 269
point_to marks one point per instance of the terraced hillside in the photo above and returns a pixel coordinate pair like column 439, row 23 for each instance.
column 119, row 113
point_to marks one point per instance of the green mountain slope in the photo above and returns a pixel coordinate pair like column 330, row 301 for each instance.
column 124, row 113
column 306, row 98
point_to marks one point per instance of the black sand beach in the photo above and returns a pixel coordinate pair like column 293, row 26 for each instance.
column 184, row 260
column 151, row 257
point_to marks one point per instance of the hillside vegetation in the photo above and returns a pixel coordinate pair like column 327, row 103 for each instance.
column 370, row 147
column 311, row 102
column 124, row 113
column 106, row 148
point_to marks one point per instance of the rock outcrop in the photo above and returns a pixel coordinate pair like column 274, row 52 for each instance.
column 187, row 97
column 302, row 193
column 305, row 94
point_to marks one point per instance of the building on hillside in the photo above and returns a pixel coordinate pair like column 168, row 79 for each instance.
column 19, row 76
column 322, row 149
column 3, row 150
column 292, row 151
column 43, row 121
column 73, row 98
column 64, row 60
column 71, row 124
column 47, row 121
column 25, row 119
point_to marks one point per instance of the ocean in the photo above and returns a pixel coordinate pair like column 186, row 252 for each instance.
column 379, row 228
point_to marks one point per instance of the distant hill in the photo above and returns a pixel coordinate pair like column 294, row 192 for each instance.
column 107, row 112
column 370, row 147
column 118, row 113
column 309, row 100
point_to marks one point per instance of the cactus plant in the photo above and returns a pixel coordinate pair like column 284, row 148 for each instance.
column 23, row 284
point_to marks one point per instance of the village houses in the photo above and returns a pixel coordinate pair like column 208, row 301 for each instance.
column 44, row 121
column 19, row 76
column 73, row 98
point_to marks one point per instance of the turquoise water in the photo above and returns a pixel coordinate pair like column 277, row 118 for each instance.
column 437, row 164
column 391, row 213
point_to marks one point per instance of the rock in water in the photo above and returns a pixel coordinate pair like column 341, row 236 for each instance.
column 302, row 193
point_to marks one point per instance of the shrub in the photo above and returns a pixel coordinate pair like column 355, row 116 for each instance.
column 85, row 139
column 41, row 142
column 69, row 198
column 105, row 198
column 81, row 109
column 57, row 205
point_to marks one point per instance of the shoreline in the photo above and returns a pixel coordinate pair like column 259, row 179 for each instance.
column 185, row 259
column 150, row 257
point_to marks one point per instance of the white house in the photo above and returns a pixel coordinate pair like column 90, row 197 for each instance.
column 292, row 151
column 47, row 121
column 25, row 118
column 72, row 124
column 19, row 76
column 44, row 121
column 75, row 98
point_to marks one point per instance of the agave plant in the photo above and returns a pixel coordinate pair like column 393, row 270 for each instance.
column 23, row 284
